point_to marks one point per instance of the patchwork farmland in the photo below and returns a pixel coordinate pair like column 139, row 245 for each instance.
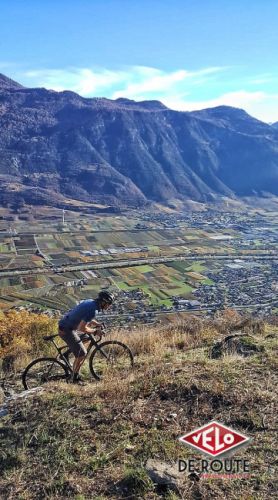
column 37, row 259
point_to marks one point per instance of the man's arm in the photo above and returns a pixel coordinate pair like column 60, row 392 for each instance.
column 84, row 326
column 94, row 322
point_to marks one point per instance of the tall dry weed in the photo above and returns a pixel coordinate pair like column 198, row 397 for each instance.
column 21, row 334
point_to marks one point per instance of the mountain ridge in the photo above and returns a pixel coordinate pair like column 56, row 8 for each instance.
column 8, row 83
column 124, row 152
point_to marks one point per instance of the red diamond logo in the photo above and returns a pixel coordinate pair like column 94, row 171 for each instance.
column 214, row 439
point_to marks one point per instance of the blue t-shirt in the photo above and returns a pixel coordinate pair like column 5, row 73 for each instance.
column 85, row 311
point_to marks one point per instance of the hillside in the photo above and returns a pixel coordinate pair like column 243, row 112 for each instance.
column 97, row 441
column 58, row 145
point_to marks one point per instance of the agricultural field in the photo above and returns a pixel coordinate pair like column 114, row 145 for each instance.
column 35, row 220
column 47, row 244
column 58, row 248
column 159, row 282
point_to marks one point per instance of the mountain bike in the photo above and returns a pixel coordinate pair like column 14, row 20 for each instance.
column 107, row 358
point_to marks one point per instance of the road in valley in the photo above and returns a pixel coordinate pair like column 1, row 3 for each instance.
column 113, row 264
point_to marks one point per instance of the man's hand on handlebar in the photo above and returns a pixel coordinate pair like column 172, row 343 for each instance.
column 98, row 330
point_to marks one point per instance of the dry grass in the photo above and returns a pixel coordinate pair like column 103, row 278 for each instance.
column 93, row 441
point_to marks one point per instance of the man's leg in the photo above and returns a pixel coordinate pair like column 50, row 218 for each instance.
column 78, row 362
column 77, row 348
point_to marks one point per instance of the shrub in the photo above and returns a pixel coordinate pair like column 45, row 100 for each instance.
column 22, row 333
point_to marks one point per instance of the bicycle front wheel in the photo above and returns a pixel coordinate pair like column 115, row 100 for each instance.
column 110, row 357
column 43, row 370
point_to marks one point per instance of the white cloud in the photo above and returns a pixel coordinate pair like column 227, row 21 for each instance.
column 176, row 89
column 258, row 104
column 132, row 82
column 143, row 81
column 237, row 99
column 262, row 79
column 155, row 82
column 84, row 81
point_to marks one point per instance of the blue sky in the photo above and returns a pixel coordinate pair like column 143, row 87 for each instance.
column 190, row 54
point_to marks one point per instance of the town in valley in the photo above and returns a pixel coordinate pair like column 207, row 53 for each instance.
column 160, row 263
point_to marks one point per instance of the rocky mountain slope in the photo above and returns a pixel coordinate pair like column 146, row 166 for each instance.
column 56, row 145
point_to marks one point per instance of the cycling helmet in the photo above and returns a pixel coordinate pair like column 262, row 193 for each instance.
column 105, row 296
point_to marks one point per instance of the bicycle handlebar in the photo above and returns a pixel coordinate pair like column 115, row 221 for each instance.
column 95, row 332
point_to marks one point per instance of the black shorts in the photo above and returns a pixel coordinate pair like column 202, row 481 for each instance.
column 72, row 339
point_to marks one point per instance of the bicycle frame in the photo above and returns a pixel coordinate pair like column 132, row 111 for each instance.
column 83, row 336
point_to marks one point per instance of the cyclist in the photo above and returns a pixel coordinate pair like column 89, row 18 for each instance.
column 81, row 318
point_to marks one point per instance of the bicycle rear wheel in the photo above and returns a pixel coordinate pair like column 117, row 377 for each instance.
column 111, row 357
column 43, row 370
